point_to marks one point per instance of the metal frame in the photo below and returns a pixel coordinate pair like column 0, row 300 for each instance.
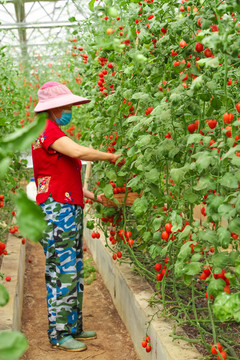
column 52, row 18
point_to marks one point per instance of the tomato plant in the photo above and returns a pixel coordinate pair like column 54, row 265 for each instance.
column 169, row 103
column 164, row 82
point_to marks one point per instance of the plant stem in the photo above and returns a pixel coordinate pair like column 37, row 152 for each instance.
column 225, row 79
column 196, row 317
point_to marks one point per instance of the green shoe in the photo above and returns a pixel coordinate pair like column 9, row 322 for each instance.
column 85, row 335
column 70, row 344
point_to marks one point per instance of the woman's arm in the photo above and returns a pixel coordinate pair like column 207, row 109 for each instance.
column 88, row 194
column 67, row 146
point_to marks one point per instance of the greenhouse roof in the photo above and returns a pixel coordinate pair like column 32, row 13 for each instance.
column 28, row 27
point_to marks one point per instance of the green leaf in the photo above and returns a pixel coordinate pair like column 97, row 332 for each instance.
column 221, row 308
column 190, row 197
column 157, row 236
column 143, row 140
column 236, row 161
column 91, row 5
column 203, row 161
column 209, row 236
column 204, row 182
column 187, row 279
column 197, row 83
column 140, row 206
column 201, row 35
column 147, row 236
column 21, row 139
column 108, row 191
column 231, row 152
column 229, row 180
column 165, row 249
column 111, row 174
column 109, row 211
column 90, row 224
column 220, row 259
column 209, row 62
column 224, row 237
column 237, row 270
column 215, row 202
column 185, row 251
column 13, row 344
column 185, row 232
column 4, row 164
column 234, row 226
column 153, row 176
column 194, row 138
column 30, row 218
column 235, row 306
column 215, row 286
column 134, row 182
column 112, row 11
column 140, row 96
column 193, row 268
column 156, row 224
column 196, row 257
column 4, row 296
column 175, row 98
column 226, row 211
column 176, row 221
column 163, row 114
column 72, row 19
column 154, row 251
column 178, row 174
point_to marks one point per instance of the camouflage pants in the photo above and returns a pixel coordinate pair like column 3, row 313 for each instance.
column 62, row 244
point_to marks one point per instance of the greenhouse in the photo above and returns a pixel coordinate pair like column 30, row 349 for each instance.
column 120, row 179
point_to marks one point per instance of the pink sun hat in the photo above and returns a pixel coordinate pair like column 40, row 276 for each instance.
column 53, row 94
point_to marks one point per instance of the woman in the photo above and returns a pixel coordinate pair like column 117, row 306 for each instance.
column 57, row 171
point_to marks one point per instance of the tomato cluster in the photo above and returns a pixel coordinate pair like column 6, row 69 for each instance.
column 161, row 271
column 215, row 350
column 121, row 236
column 80, row 48
column 13, row 229
column 96, row 235
column 119, row 189
column 146, row 343
column 2, row 248
column 1, row 200
column 117, row 255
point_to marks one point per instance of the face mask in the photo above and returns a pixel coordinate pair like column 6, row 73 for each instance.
column 65, row 118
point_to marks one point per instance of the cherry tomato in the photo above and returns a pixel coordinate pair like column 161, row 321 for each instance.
column 214, row 350
column 165, row 235
column 168, row 227
column 223, row 354
column 157, row 267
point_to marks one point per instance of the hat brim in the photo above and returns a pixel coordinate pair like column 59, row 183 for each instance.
column 60, row 101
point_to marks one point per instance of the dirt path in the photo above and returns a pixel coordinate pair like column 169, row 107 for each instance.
column 99, row 314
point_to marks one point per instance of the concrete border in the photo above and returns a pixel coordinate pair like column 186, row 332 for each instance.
column 130, row 294
column 13, row 265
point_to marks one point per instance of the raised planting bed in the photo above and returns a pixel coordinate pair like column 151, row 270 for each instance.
column 130, row 294
column 13, row 266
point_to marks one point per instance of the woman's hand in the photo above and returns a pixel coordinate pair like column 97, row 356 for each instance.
column 89, row 195
column 115, row 158
column 99, row 198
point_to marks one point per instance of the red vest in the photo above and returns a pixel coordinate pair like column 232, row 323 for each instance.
column 55, row 173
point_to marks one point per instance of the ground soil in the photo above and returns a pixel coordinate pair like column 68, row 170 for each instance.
column 99, row 314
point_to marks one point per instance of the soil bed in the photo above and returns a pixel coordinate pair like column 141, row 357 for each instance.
column 229, row 331
column 99, row 314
